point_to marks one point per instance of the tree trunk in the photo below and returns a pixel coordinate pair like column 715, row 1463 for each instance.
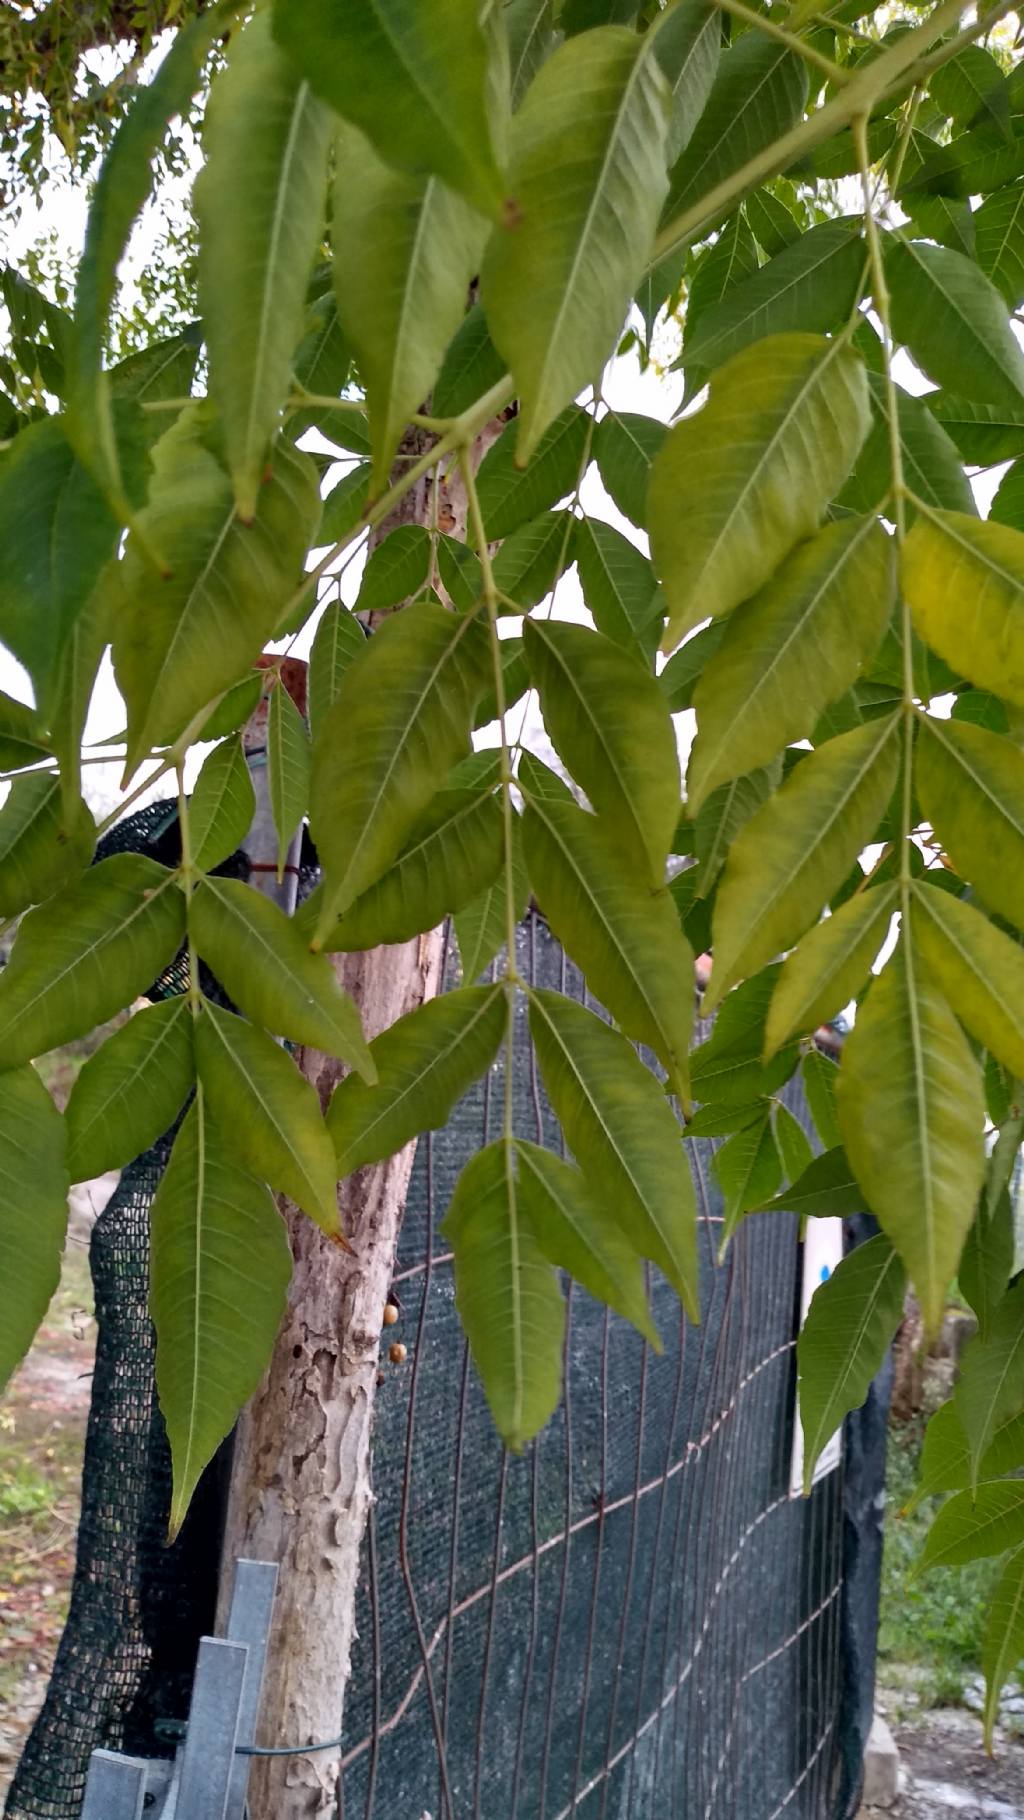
column 300, row 1487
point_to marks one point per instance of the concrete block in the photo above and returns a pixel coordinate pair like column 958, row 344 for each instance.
column 881, row 1766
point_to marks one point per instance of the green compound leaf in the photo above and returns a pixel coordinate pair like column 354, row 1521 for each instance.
column 619, row 587
column 416, row 79
column 42, row 845
column 749, row 1170
column 990, row 1388
column 625, row 938
column 789, row 652
column 980, row 970
column 396, row 569
column 587, row 177
column 625, row 445
column 260, row 958
column 266, row 138
column 912, row 1114
column 289, row 760
column 735, row 486
column 86, row 953
column 610, row 724
column 411, row 247
column 425, row 1062
column 35, row 1182
column 577, row 1232
column 623, row 1134
column 339, row 638
column 827, row 1188
column 221, row 806
column 267, row 1116
column 958, row 570
column 1003, row 1643
column 481, row 928
column 507, row 1293
column 999, row 241
column 401, row 720
column 131, row 1091
column 759, row 91
column 844, row 1340
column 971, row 786
column 456, row 851
column 975, row 1524
column 510, row 495
column 220, row 1268
column 686, row 40
column 792, row 856
column 932, row 467
column 829, row 967
column 811, row 285
column 953, row 320
column 180, row 641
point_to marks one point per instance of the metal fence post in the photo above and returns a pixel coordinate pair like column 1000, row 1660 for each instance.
column 208, row 1754
column 115, row 1788
column 252, row 1601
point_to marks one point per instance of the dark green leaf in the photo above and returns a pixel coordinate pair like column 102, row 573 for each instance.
column 481, row 928
column 42, row 846
column 339, row 638
column 619, row 587
column 759, row 91
column 576, row 1231
column 999, row 232
column 625, row 445
column 844, row 1340
column 221, row 807
column 530, row 561
column 954, row 321
column 826, row 1190
column 509, row 495
column 35, row 1179
column 811, row 285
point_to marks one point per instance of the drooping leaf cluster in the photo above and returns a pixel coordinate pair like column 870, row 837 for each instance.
column 505, row 189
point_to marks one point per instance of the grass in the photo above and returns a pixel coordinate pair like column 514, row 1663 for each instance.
column 932, row 1623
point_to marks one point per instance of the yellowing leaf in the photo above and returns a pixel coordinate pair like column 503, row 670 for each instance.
column 971, row 786
column 963, row 579
column 980, row 970
column 789, row 652
column 737, row 484
column 912, row 1114
column 792, row 856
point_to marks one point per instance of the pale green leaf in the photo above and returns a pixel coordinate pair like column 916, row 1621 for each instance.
column 789, row 652
column 86, row 953
column 946, row 1454
column 623, row 1133
column 953, row 320
column 830, row 966
column 792, row 856
column 610, row 724
column 455, row 852
column 182, row 639
column 958, row 571
column 265, row 137
column 415, row 78
column 481, row 928
column 34, row 1183
column 131, row 1090
column 339, row 638
column 508, row 1296
column 987, row 1260
column 42, row 845
column 624, row 937
column 980, row 970
column 999, row 241
column 21, row 735
column 912, row 1114
column 408, row 248
column 235, row 707
column 759, row 91
column 625, row 445
column 619, row 587
column 510, row 495
column 793, row 1142
column 811, row 285
column 844, row 1340
column 425, row 1062
column 819, row 1075
column 587, row 177
column 723, row 815
column 260, row 958
column 973, row 1525
column 1003, row 1643
column 267, row 1116
column 289, row 759
column 736, row 485
column 221, row 805
column 990, row 1388
column 971, row 786
column 401, row 720
column 220, row 1267
column 577, row 1232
